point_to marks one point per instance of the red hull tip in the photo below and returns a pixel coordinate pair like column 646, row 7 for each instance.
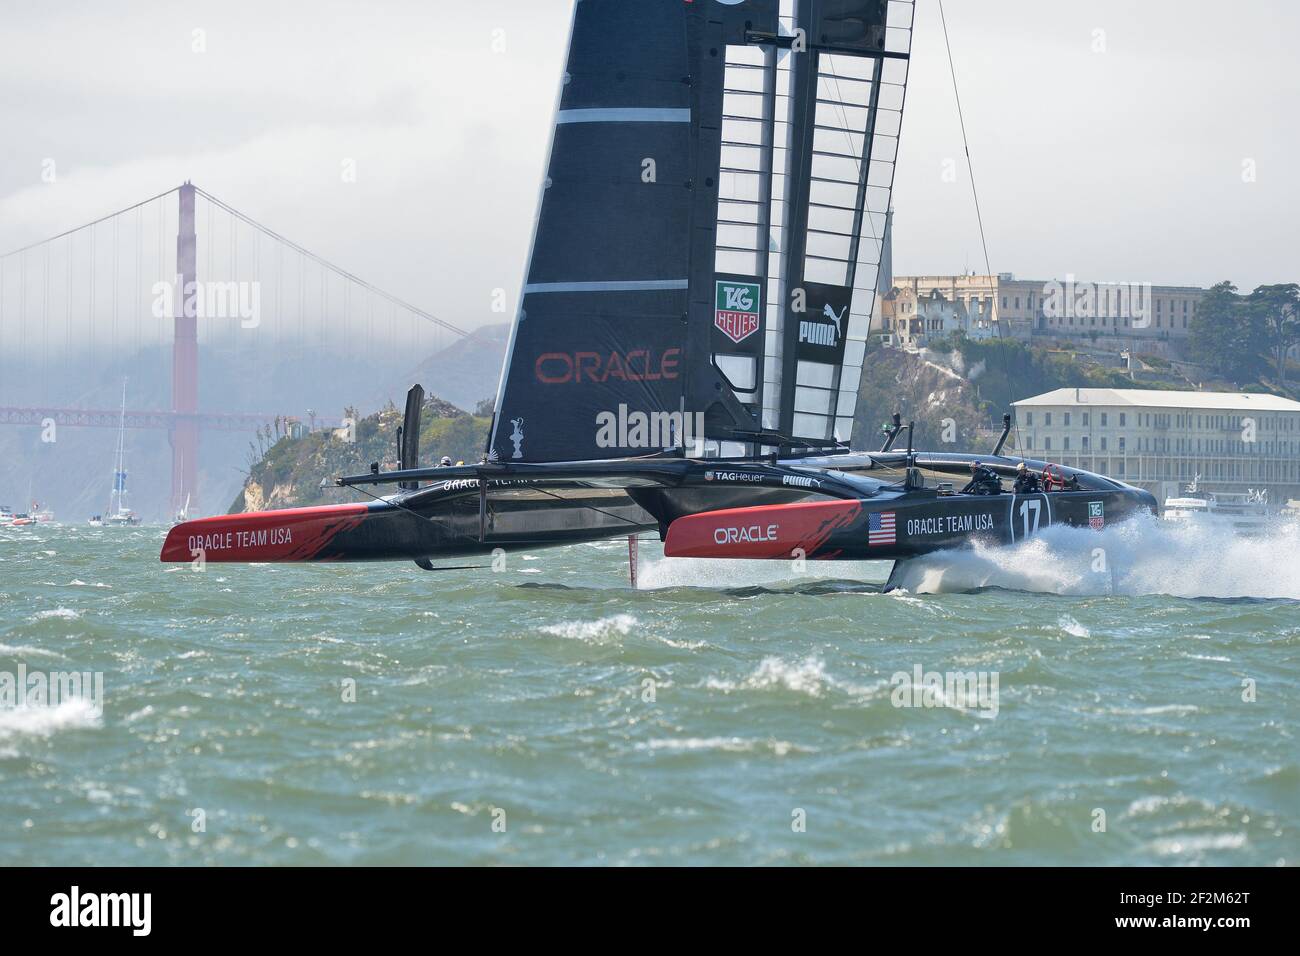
column 295, row 534
column 765, row 531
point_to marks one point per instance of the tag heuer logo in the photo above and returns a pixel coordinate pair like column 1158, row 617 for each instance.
column 1094, row 509
column 737, row 309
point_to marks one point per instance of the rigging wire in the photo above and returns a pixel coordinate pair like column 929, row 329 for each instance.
column 970, row 168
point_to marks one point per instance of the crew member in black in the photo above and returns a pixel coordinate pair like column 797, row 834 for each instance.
column 1026, row 481
column 983, row 481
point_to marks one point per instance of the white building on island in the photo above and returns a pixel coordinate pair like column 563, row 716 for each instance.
column 1161, row 440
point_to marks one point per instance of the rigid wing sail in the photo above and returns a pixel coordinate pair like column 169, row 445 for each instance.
column 689, row 343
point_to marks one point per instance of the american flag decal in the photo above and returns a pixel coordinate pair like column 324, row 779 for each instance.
column 880, row 528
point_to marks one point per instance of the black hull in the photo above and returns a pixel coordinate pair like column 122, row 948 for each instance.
column 816, row 508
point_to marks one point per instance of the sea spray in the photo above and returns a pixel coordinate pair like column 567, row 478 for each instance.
column 1138, row 557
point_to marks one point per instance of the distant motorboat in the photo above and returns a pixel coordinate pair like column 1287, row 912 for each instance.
column 1240, row 512
column 10, row 519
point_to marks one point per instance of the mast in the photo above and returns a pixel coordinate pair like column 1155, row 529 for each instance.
column 119, row 460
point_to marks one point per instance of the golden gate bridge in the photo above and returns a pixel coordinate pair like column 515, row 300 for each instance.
column 235, row 291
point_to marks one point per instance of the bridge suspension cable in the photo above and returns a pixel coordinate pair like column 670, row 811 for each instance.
column 325, row 263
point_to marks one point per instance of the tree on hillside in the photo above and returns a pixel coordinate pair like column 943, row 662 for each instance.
column 1228, row 335
column 1277, row 309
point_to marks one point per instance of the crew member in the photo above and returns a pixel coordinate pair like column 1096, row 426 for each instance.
column 983, row 481
column 1026, row 481
column 446, row 462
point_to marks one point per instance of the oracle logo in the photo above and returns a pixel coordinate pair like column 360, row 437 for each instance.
column 638, row 365
column 745, row 535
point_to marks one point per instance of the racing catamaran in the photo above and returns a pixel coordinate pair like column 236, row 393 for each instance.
column 706, row 261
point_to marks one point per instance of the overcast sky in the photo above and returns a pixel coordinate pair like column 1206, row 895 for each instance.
column 1109, row 138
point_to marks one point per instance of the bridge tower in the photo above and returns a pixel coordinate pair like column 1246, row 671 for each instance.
column 185, row 362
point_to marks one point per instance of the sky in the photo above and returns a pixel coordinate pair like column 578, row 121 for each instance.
column 1111, row 140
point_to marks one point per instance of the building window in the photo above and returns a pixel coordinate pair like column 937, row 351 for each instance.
column 1103, row 419
column 1065, row 443
column 1084, row 442
column 1085, row 419
column 1047, row 444
column 1029, row 419
column 1123, row 420
column 1103, row 443
column 1047, row 419
column 1067, row 418
column 1121, row 444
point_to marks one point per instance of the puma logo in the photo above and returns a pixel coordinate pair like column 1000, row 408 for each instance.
column 829, row 313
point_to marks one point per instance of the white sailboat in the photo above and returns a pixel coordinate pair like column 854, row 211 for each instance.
column 118, row 514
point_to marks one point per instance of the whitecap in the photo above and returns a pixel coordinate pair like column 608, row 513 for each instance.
column 606, row 627
column 47, row 721
column 1072, row 627
column 22, row 650
column 727, row 744
column 1174, row 846
column 66, row 613
column 807, row 676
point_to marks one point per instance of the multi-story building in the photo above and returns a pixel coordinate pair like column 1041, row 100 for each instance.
column 909, row 320
column 1146, row 317
column 1161, row 440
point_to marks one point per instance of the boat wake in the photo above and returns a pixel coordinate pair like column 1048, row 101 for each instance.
column 1138, row 557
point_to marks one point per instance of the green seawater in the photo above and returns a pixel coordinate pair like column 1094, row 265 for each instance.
column 723, row 713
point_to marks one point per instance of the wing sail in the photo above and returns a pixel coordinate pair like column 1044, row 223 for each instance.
column 706, row 254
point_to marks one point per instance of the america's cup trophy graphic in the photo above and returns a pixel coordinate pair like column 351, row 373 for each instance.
column 517, row 437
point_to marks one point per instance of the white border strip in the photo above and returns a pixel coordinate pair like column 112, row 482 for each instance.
column 623, row 115
column 631, row 285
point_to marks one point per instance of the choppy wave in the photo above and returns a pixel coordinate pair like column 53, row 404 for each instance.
column 807, row 676
column 679, row 725
column 47, row 721
column 1139, row 557
column 617, row 625
column 65, row 613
